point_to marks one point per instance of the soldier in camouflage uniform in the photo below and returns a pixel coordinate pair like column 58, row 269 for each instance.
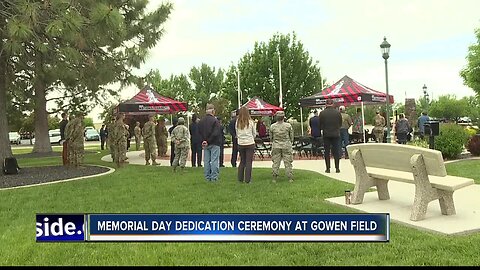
column 149, row 144
column 111, row 145
column 181, row 137
column 138, row 135
column 119, row 140
column 281, row 136
column 75, row 135
column 378, row 129
column 161, row 135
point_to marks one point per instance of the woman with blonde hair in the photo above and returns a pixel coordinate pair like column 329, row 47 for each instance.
column 246, row 132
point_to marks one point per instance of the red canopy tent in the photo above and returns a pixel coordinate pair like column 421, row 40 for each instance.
column 346, row 92
column 258, row 107
column 148, row 101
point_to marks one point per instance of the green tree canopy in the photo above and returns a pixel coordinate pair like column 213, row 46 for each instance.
column 207, row 84
column 259, row 74
column 449, row 107
column 471, row 73
column 74, row 49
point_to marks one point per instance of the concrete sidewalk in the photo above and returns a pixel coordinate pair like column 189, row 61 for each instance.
column 467, row 200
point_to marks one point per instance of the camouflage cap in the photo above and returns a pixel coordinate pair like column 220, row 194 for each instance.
column 280, row 113
column 181, row 121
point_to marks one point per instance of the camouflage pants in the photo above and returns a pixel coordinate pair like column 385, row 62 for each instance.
column 181, row 154
column 149, row 146
column 137, row 142
column 112, row 151
column 75, row 154
column 162, row 146
column 120, row 152
column 378, row 135
column 279, row 154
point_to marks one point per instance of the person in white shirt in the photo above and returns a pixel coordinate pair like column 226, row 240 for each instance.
column 246, row 132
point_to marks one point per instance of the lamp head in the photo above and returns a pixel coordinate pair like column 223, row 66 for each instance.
column 385, row 46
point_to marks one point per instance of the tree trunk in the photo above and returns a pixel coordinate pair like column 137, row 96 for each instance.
column 5, row 149
column 42, row 139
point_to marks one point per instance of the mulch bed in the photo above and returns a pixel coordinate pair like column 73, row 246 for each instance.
column 45, row 174
column 42, row 155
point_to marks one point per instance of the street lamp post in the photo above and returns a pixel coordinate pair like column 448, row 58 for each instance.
column 385, row 46
column 426, row 96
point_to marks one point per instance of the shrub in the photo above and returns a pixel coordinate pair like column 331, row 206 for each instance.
column 451, row 140
column 473, row 145
column 471, row 131
column 419, row 143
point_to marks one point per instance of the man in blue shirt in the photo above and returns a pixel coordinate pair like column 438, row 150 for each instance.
column 421, row 123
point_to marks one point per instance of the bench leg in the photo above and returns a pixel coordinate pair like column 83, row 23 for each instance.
column 424, row 193
column 382, row 189
column 362, row 181
column 359, row 191
column 419, row 209
column 446, row 202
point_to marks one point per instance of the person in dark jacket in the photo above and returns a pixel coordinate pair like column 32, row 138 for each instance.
column 196, row 142
column 211, row 134
column 233, row 133
column 103, row 136
column 222, row 145
column 402, row 128
column 315, row 125
column 330, row 124
column 63, row 124
column 172, row 143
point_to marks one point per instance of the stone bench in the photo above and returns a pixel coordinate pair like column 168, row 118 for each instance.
column 377, row 163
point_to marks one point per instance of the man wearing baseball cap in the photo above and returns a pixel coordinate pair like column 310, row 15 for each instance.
column 211, row 135
column 281, row 136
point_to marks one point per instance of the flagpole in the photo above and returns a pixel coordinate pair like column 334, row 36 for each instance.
column 239, row 91
column 280, row 76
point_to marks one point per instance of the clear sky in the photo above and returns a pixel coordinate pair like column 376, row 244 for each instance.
column 429, row 39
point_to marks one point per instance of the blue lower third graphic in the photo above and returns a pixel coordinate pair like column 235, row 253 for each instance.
column 60, row 227
column 239, row 227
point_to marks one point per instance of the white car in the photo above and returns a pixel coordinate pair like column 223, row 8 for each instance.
column 14, row 137
column 53, row 135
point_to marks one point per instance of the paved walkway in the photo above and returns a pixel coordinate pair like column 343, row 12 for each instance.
column 467, row 200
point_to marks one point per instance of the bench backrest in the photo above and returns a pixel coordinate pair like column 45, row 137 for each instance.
column 397, row 157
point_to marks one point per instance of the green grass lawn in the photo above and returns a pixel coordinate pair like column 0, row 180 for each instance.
column 142, row 189
column 466, row 168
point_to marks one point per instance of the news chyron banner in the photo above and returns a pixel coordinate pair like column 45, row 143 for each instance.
column 213, row 227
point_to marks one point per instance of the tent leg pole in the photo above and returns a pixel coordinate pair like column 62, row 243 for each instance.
column 301, row 119
column 363, row 122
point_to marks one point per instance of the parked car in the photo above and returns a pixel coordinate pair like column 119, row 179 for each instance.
column 14, row 137
column 92, row 135
column 54, row 136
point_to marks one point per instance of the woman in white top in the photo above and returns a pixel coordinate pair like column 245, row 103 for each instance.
column 246, row 144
